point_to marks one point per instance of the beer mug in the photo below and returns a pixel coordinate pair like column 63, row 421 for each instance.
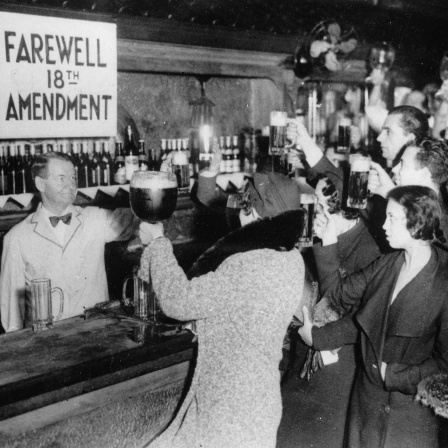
column 277, row 132
column 358, row 181
column 307, row 203
column 144, row 298
column 343, row 145
column 41, row 296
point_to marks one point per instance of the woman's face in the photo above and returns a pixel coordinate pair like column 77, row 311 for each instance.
column 395, row 226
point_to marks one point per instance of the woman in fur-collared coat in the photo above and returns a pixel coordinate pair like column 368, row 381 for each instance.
column 243, row 295
column 403, row 326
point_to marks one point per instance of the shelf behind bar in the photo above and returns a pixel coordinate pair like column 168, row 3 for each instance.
column 14, row 208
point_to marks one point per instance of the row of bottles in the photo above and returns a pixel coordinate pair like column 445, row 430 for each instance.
column 96, row 166
column 230, row 152
column 15, row 169
column 131, row 158
column 92, row 159
column 175, row 156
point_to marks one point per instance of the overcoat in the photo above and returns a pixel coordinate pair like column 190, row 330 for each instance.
column 242, row 308
column 32, row 250
column 321, row 401
column 410, row 336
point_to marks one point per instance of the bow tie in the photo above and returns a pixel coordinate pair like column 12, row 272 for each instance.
column 65, row 219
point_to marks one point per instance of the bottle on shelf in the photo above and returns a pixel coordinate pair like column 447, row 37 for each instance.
column 227, row 155
column 143, row 164
column 106, row 165
column 152, row 162
column 20, row 170
column 3, row 171
column 236, row 160
column 95, row 165
column 119, row 165
column 164, row 151
column 28, row 160
column 222, row 165
column 11, row 170
column 191, row 164
column 131, row 154
column 84, row 174
column 74, row 154
column 39, row 150
column 180, row 166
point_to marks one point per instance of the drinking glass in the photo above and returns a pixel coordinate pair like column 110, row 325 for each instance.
column 41, row 297
column 153, row 195
column 144, row 299
column 358, row 181
column 307, row 202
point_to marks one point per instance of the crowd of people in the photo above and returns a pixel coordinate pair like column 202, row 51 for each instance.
column 381, row 309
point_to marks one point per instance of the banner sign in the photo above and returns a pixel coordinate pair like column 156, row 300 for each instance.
column 58, row 77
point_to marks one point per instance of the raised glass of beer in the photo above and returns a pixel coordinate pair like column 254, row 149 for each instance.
column 307, row 203
column 277, row 135
column 153, row 195
column 358, row 181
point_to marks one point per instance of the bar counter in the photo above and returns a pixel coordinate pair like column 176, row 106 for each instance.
column 81, row 365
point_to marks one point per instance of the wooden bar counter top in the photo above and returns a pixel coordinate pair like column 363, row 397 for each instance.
column 82, row 365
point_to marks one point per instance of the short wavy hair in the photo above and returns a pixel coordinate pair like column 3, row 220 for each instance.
column 413, row 121
column 41, row 162
column 433, row 154
column 423, row 211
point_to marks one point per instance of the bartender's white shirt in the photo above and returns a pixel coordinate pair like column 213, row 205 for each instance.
column 60, row 228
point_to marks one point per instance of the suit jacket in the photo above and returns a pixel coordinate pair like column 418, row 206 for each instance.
column 411, row 336
column 354, row 251
column 32, row 250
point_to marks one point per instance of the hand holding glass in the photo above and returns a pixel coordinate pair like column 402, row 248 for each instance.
column 358, row 181
column 277, row 132
column 307, row 202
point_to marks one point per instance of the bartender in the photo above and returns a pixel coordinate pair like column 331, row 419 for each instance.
column 61, row 242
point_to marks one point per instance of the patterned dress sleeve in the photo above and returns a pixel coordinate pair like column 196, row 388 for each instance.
column 180, row 298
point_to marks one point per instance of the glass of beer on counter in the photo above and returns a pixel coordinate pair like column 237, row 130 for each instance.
column 144, row 299
column 358, row 181
column 307, row 203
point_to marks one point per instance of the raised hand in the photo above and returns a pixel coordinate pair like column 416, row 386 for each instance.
column 324, row 227
column 149, row 232
column 305, row 331
column 379, row 181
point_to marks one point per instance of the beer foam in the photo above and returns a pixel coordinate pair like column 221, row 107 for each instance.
column 308, row 198
column 360, row 164
column 278, row 118
column 154, row 183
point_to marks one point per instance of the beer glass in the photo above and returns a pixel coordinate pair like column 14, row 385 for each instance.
column 358, row 181
column 277, row 132
column 307, row 203
column 144, row 299
column 153, row 195
column 343, row 139
column 277, row 140
column 41, row 297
